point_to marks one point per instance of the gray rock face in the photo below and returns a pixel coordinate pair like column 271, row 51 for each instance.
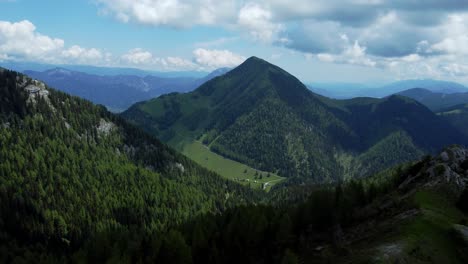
column 461, row 232
column 444, row 156
column 105, row 127
column 448, row 169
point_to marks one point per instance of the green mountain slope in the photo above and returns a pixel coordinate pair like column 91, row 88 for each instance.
column 232, row 106
column 262, row 116
column 457, row 116
column 70, row 170
column 434, row 100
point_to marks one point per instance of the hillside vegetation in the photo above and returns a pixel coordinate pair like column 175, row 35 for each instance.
column 70, row 170
column 262, row 116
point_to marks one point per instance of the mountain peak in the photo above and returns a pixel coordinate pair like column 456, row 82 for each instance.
column 255, row 78
column 59, row 71
column 256, row 61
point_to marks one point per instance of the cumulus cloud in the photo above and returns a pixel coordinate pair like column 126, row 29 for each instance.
column 215, row 43
column 172, row 13
column 145, row 59
column 21, row 41
column 217, row 58
column 454, row 36
column 258, row 22
column 417, row 36
column 138, row 57
column 352, row 54
column 388, row 28
column 85, row 56
column 203, row 59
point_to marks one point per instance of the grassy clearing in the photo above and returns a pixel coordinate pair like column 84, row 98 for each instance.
column 230, row 169
column 430, row 232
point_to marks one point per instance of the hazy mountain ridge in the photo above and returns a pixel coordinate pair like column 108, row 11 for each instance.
column 351, row 90
column 21, row 66
column 457, row 116
column 436, row 101
column 120, row 91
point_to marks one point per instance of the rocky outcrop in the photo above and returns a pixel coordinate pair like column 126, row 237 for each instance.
column 447, row 170
column 461, row 235
column 36, row 89
column 105, row 127
column 461, row 232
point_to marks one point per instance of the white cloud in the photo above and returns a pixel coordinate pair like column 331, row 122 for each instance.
column 20, row 40
column 411, row 58
column 352, row 54
column 258, row 22
column 215, row 43
column 455, row 70
column 172, row 13
column 454, row 36
column 180, row 63
column 458, row 44
column 145, row 59
column 325, row 57
column 85, row 56
column 138, row 57
column 217, row 58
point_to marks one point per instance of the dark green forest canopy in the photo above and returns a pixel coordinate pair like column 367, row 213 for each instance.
column 70, row 169
column 262, row 116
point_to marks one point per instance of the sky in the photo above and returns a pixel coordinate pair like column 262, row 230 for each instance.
column 363, row 41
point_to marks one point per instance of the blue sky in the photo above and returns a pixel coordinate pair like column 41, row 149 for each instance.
column 318, row 41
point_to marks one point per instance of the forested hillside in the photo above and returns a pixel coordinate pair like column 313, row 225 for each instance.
column 70, row 170
column 457, row 116
column 262, row 116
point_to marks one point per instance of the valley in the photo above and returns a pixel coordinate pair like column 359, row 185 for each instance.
column 385, row 202
column 249, row 116
column 230, row 169
column 234, row 132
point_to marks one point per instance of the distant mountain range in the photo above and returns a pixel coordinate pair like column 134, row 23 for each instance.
column 260, row 115
column 95, row 70
column 346, row 90
column 436, row 101
column 117, row 92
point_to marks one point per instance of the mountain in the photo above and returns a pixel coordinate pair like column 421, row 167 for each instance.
column 120, row 91
column 70, row 170
column 94, row 70
column 347, row 91
column 260, row 115
column 80, row 185
column 434, row 100
column 457, row 116
column 432, row 85
column 339, row 90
